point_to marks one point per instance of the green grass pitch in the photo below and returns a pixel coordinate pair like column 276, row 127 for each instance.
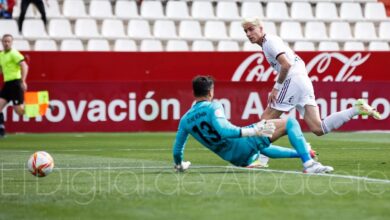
column 130, row 176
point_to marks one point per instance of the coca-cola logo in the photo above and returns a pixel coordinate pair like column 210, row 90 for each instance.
column 320, row 68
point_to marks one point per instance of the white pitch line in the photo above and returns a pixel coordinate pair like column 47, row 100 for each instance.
column 360, row 178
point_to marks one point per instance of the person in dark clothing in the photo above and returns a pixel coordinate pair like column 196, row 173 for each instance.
column 23, row 9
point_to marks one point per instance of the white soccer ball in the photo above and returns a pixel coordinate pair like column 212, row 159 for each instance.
column 40, row 164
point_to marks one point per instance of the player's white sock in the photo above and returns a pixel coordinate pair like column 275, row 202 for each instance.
column 337, row 119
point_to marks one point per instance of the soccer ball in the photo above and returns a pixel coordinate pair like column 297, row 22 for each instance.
column 40, row 164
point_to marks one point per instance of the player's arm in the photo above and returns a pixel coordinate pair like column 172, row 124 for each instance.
column 178, row 149
column 24, row 72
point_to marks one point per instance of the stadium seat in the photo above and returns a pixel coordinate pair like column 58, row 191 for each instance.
column 98, row 45
column 215, row 30
column 228, row 46
column 315, row 30
column 177, row 45
column 151, row 45
column 71, row 45
column 45, row 45
column 60, row 29
column 139, row 29
column 350, row 11
column 125, row 45
column 74, row 9
column 86, row 28
column 270, row 27
column 290, row 30
column 248, row 46
column 190, row 29
column 202, row 45
column 22, row 45
column 304, row 46
column 152, row 9
column 202, row 10
column 227, row 10
column 328, row 46
column 378, row 46
column 340, row 31
column 100, row 9
column 326, row 11
column 301, row 10
column 53, row 11
column 113, row 29
column 9, row 26
column 236, row 31
column 34, row 29
column 177, row 9
column 384, row 30
column 277, row 10
column 365, row 31
column 164, row 29
column 126, row 9
column 375, row 10
column 251, row 9
column 353, row 46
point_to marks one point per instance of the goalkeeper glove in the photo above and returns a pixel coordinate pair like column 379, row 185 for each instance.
column 265, row 128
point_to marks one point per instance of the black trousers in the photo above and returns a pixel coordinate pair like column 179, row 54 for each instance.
column 23, row 9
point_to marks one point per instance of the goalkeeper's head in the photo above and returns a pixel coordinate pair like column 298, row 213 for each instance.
column 203, row 87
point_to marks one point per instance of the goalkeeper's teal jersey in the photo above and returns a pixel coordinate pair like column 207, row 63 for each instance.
column 207, row 123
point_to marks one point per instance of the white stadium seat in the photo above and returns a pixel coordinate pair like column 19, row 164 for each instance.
column 177, row 45
column 9, row 26
column 71, row 45
column 113, row 29
column 228, row 46
column 315, row 30
column 328, row 46
column 251, row 9
column 378, row 46
column 60, row 28
column 326, row 11
column 304, row 46
column 291, row 30
column 301, row 10
column 375, row 10
column 152, row 9
column 248, row 46
column 227, row 10
column 139, row 29
column 353, row 46
column 126, row 9
column 53, row 11
column 100, row 9
column 177, row 9
column 45, row 45
column 86, row 28
column 151, row 45
column 34, row 29
column 365, row 31
column 270, row 27
column 74, row 9
column 202, row 10
column 98, row 45
column 236, row 31
column 22, row 45
column 125, row 45
column 164, row 29
column 351, row 10
column 277, row 10
column 340, row 31
column 215, row 30
column 190, row 29
column 202, row 45
column 384, row 30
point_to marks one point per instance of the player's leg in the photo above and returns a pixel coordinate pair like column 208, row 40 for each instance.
column 274, row 151
column 270, row 113
column 23, row 10
column 3, row 103
column 41, row 8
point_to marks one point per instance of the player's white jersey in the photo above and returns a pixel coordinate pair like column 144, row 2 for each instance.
column 273, row 46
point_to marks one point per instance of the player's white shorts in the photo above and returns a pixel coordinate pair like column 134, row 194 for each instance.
column 297, row 91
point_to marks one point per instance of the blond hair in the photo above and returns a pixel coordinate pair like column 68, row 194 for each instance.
column 252, row 20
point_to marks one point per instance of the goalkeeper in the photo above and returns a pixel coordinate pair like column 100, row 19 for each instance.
column 241, row 146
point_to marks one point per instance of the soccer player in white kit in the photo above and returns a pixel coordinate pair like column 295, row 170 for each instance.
column 293, row 88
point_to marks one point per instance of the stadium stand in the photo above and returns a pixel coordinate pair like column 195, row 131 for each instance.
column 205, row 25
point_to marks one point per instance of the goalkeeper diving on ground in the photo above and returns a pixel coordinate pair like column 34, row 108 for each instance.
column 241, row 146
